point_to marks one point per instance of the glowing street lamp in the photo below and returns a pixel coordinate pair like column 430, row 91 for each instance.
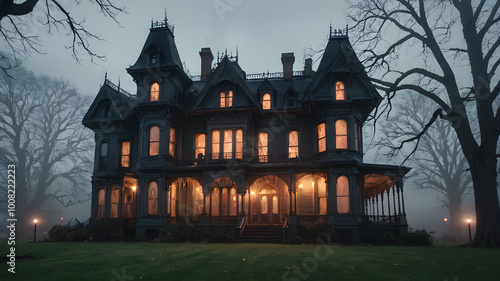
column 445, row 228
column 34, row 233
column 470, row 235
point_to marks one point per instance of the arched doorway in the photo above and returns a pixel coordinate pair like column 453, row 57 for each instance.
column 268, row 205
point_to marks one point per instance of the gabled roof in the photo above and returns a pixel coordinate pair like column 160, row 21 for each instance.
column 339, row 56
column 117, row 100
column 226, row 71
column 161, row 40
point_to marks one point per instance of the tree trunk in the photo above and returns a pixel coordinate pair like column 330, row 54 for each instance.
column 456, row 222
column 484, row 177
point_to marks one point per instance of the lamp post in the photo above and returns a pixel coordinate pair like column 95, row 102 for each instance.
column 445, row 229
column 34, row 233
column 470, row 234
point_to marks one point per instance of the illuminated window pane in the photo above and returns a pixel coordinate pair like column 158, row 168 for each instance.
column 171, row 147
column 293, row 144
column 215, row 144
column 115, row 199
column 125, row 159
column 321, row 137
column 127, row 203
column 262, row 147
column 155, row 92
column 232, row 202
column 343, row 195
column 199, row 145
column 229, row 99
column 275, row 204
column 215, row 202
column 266, row 101
column 322, row 196
column 339, row 91
column 173, row 199
column 341, row 134
column 225, row 198
column 153, row 198
column 239, row 144
column 228, row 144
column 263, row 205
column 198, row 199
column 154, row 140
column 101, row 198
column 222, row 100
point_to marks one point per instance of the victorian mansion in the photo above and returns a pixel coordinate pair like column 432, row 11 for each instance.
column 228, row 150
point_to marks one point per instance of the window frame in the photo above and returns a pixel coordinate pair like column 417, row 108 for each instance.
column 290, row 145
column 263, row 158
column 156, row 91
column 266, row 103
column 226, row 98
column 101, row 205
column 154, row 200
column 172, row 142
column 215, row 144
column 340, row 92
column 339, row 136
column 156, row 142
column 103, row 159
column 200, row 149
column 322, row 139
column 125, row 156
column 342, row 196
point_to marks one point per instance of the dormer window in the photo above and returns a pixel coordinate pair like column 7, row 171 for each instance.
column 153, row 59
column 154, row 94
column 339, row 91
column 266, row 101
column 226, row 99
column 107, row 111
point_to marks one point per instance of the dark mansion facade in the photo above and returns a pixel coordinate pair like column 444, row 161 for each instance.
column 249, row 154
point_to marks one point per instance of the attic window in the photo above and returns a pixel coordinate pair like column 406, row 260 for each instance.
column 154, row 94
column 226, row 99
column 290, row 100
column 107, row 111
column 266, row 101
column 339, row 91
column 153, row 59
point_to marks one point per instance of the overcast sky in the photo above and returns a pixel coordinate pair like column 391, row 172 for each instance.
column 261, row 30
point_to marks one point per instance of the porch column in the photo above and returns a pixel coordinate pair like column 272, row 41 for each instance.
column 400, row 184
column 242, row 203
column 399, row 199
column 290, row 192
column 373, row 206
column 376, row 200
column 389, row 202
column 382, row 203
column 331, row 206
column 204, row 204
column 394, row 200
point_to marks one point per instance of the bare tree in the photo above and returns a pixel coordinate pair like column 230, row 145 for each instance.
column 20, row 23
column 438, row 162
column 455, row 46
column 41, row 133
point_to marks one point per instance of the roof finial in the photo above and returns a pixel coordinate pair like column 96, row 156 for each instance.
column 118, row 84
column 105, row 76
column 330, row 35
column 236, row 54
column 226, row 52
column 166, row 15
column 347, row 30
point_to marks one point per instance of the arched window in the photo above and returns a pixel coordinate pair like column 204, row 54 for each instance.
column 215, row 202
column 266, row 101
column 293, row 144
column 341, row 134
column 101, row 198
column 199, row 145
column 339, row 91
column 154, row 93
column 171, row 147
column 262, row 147
column 153, row 198
column 154, row 140
column 321, row 133
column 343, row 195
column 115, row 200
column 226, row 99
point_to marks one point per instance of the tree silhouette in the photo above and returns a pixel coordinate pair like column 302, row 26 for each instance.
column 41, row 133
column 455, row 46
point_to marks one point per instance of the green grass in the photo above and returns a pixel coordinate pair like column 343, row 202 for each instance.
column 161, row 261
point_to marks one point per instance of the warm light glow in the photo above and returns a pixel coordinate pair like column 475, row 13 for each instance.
column 253, row 193
column 445, row 219
column 468, row 220
column 134, row 188
column 61, row 218
column 300, row 185
column 35, row 220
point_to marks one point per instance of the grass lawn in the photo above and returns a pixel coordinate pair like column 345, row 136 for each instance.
column 162, row 261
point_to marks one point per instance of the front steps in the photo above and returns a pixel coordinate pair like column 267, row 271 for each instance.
column 262, row 234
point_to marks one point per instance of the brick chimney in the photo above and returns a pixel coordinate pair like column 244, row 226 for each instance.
column 308, row 70
column 287, row 59
column 206, row 62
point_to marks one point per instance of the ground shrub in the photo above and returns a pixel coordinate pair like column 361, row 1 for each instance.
column 78, row 235
column 58, row 233
column 220, row 237
column 418, row 237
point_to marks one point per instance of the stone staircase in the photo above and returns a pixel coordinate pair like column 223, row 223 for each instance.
column 262, row 234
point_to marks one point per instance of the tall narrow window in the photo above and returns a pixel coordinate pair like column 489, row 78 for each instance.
column 262, row 147
column 225, row 201
column 266, row 101
column 101, row 198
column 154, row 93
column 239, row 145
column 343, row 195
column 232, row 202
column 321, row 137
column 171, row 146
column 226, row 99
column 199, row 145
column 154, row 141
column 173, row 200
column 341, row 134
column 215, row 144
column 115, row 199
column 153, row 198
column 275, row 205
column 339, row 91
column 127, row 203
column 322, row 196
column 293, row 144
column 103, row 161
column 215, row 202
column 357, row 138
column 125, row 158
column 228, row 144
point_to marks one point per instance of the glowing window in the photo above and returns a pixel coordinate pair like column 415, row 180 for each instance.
column 343, row 195
column 215, row 202
column 321, row 137
column 154, row 140
column 293, row 144
column 263, row 205
column 339, row 91
column 232, row 202
column 153, row 198
column 322, row 196
column 215, row 144
column 127, row 203
column 341, row 134
column 171, row 146
column 266, row 101
column 101, row 198
column 239, row 144
column 275, row 204
column 199, row 145
column 262, row 147
column 173, row 199
column 226, row 99
column 154, row 94
column 228, row 144
column 115, row 199
column 125, row 158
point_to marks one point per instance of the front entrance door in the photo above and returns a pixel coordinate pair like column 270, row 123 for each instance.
column 268, row 206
